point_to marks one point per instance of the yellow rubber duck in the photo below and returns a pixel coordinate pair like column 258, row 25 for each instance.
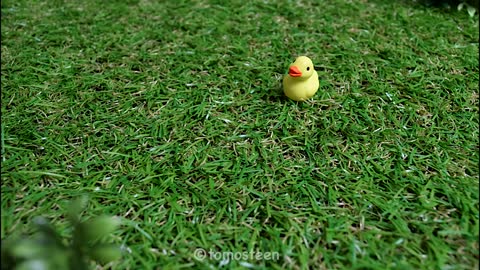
column 301, row 83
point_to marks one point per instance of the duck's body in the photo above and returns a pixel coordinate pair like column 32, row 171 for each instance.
column 301, row 82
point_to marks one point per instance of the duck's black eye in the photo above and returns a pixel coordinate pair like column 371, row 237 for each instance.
column 308, row 68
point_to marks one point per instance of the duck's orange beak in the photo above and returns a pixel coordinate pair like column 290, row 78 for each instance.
column 294, row 71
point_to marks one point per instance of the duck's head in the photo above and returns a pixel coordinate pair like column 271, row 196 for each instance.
column 302, row 68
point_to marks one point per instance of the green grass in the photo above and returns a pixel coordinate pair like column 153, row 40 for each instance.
column 170, row 115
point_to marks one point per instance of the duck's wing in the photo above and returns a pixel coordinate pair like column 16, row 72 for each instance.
column 313, row 85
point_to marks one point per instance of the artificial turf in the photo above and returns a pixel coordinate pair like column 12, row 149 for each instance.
column 170, row 114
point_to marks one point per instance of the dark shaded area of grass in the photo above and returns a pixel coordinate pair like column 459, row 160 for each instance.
column 452, row 3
